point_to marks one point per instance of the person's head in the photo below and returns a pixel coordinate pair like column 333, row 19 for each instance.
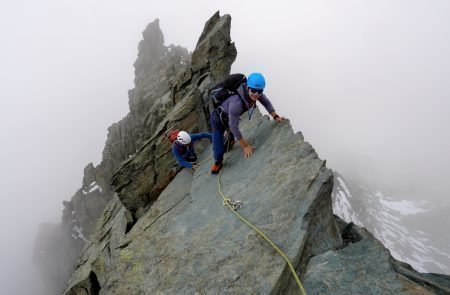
column 183, row 137
column 255, row 85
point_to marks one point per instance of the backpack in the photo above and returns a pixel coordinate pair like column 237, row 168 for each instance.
column 228, row 87
column 172, row 135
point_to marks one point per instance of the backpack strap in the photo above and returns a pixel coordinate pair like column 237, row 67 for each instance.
column 178, row 147
column 244, row 103
column 181, row 148
column 223, row 116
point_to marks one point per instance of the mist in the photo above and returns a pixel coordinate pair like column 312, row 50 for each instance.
column 366, row 82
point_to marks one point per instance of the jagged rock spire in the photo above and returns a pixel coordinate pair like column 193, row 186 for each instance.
column 150, row 50
column 141, row 179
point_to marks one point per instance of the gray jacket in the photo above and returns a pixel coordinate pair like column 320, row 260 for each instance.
column 234, row 107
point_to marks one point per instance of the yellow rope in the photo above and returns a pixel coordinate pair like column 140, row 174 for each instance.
column 226, row 201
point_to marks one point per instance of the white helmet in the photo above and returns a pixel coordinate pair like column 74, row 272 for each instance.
column 183, row 137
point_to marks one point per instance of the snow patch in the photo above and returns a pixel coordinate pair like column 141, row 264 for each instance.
column 79, row 233
column 403, row 207
column 384, row 217
column 342, row 206
column 91, row 188
column 344, row 187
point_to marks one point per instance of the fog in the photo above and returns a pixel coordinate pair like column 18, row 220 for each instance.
column 366, row 82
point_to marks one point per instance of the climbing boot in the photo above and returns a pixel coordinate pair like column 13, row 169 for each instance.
column 216, row 167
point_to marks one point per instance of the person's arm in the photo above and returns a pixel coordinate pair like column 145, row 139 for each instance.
column 180, row 158
column 277, row 117
column 197, row 136
column 270, row 109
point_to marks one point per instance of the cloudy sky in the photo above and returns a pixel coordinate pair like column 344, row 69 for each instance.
column 367, row 82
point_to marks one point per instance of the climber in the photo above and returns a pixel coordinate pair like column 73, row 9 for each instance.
column 226, row 116
column 183, row 147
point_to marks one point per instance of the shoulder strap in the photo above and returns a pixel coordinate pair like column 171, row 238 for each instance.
column 244, row 103
column 181, row 148
column 178, row 147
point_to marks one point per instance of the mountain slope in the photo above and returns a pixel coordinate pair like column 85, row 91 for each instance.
column 396, row 223
column 168, row 233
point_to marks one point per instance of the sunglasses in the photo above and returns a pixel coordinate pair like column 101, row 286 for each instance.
column 258, row 91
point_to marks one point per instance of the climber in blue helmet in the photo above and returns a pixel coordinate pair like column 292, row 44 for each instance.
column 226, row 116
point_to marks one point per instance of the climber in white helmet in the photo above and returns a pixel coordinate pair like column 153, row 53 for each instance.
column 183, row 147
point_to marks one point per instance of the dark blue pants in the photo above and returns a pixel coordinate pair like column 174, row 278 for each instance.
column 218, row 128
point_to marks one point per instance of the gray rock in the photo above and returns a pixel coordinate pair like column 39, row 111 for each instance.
column 168, row 233
column 142, row 177
column 57, row 247
column 89, row 175
column 155, row 68
column 188, row 242
column 365, row 266
column 150, row 51
column 52, row 250
column 214, row 49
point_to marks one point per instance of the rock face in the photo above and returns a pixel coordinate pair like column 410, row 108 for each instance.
column 162, row 233
column 189, row 243
column 140, row 180
column 364, row 266
column 397, row 223
column 52, row 249
column 156, row 69
column 57, row 247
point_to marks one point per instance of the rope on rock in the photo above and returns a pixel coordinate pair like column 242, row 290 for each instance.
column 233, row 205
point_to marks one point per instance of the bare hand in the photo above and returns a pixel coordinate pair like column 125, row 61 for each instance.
column 248, row 151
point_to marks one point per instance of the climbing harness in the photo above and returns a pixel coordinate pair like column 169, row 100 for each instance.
column 233, row 206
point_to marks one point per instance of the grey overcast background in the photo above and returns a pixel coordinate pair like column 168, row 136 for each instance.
column 367, row 82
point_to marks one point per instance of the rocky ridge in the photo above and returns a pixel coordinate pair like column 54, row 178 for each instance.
column 141, row 178
column 189, row 243
column 167, row 234
column 57, row 247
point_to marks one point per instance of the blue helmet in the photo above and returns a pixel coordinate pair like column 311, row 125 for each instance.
column 256, row 81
